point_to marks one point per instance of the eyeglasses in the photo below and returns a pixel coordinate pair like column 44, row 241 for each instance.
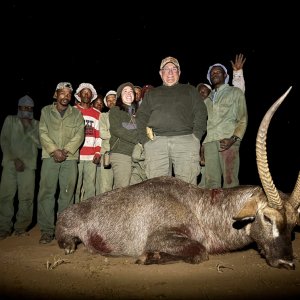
column 25, row 108
column 173, row 70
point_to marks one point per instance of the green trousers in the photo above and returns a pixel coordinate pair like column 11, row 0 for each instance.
column 56, row 179
column 11, row 183
column 221, row 168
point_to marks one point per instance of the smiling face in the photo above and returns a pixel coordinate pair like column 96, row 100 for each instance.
column 98, row 103
column 169, row 74
column 127, row 95
column 138, row 93
column 111, row 100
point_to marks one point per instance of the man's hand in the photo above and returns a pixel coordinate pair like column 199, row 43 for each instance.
column 226, row 144
column 96, row 159
column 59, row 155
column 239, row 62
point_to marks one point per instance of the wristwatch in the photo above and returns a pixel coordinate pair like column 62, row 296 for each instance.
column 235, row 138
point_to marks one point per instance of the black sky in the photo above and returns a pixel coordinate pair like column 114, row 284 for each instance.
column 106, row 44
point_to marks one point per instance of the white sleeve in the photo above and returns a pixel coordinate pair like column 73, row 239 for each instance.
column 238, row 80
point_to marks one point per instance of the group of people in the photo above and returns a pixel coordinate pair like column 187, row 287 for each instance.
column 148, row 132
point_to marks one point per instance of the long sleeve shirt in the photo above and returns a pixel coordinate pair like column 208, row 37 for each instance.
column 238, row 80
column 104, row 132
column 92, row 141
column 20, row 142
column 57, row 132
column 172, row 110
column 227, row 113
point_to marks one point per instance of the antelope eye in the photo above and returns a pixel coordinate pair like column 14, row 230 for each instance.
column 267, row 219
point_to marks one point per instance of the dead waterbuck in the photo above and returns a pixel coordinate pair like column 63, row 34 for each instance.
column 165, row 219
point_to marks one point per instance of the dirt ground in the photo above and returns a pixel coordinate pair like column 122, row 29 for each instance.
column 32, row 271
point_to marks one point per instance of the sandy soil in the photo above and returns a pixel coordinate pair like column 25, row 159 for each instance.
column 29, row 271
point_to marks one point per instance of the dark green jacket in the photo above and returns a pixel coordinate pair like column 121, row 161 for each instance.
column 58, row 132
column 171, row 111
column 119, row 120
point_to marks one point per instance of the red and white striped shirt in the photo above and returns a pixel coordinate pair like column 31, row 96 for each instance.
column 92, row 142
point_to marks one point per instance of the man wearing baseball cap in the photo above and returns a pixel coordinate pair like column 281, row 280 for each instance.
column 62, row 133
column 174, row 116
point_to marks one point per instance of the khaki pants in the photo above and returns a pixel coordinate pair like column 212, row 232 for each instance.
column 181, row 152
column 104, row 178
column 86, row 181
column 121, row 166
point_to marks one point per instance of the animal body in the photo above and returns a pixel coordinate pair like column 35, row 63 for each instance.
column 165, row 219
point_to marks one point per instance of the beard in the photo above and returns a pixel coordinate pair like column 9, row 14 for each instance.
column 25, row 114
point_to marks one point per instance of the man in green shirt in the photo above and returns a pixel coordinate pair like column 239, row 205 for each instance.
column 226, row 126
column 61, row 133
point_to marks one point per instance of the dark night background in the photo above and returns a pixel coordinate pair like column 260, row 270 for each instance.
column 106, row 44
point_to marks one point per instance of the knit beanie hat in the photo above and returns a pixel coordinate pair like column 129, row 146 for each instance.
column 26, row 101
column 121, row 87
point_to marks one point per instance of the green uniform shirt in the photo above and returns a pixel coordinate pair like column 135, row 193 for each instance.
column 58, row 132
column 227, row 113
column 20, row 142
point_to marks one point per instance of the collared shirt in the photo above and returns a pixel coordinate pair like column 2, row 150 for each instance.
column 227, row 113
column 57, row 132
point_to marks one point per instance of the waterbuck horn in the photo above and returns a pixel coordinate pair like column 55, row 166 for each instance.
column 272, row 194
column 295, row 197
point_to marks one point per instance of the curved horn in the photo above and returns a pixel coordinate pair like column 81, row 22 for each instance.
column 295, row 197
column 261, row 156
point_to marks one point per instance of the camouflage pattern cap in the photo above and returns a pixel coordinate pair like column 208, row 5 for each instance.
column 169, row 59
column 62, row 85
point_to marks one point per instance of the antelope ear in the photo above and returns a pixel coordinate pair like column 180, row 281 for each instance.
column 248, row 211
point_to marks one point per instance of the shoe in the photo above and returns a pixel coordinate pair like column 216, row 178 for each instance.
column 46, row 238
column 4, row 235
column 21, row 233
